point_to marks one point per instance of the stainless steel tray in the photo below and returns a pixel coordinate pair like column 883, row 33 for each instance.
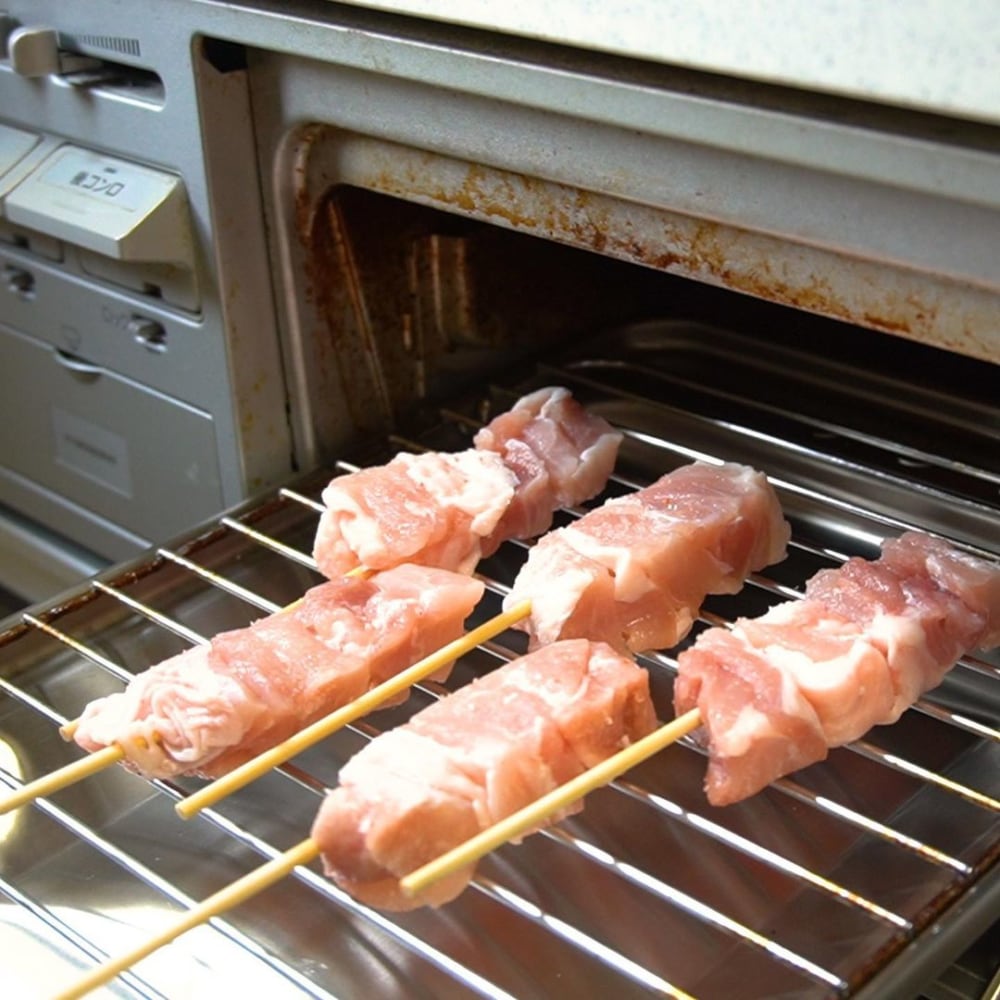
column 864, row 875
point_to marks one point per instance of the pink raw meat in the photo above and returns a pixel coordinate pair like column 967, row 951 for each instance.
column 473, row 758
column 451, row 510
column 968, row 577
column 922, row 628
column 213, row 707
column 756, row 720
column 869, row 638
column 434, row 509
column 634, row 572
column 560, row 453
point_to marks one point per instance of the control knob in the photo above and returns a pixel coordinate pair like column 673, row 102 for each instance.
column 35, row 51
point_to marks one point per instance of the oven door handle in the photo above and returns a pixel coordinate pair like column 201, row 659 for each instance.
column 83, row 370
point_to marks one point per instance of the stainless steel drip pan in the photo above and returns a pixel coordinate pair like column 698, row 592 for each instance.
column 864, row 874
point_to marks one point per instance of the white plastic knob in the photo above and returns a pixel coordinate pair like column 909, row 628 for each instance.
column 34, row 51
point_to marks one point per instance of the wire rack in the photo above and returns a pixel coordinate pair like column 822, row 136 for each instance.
column 867, row 871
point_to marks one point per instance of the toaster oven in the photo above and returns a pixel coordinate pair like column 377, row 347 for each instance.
column 247, row 247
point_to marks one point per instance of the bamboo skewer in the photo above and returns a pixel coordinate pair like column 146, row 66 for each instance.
column 220, row 902
column 62, row 777
column 108, row 756
column 339, row 718
column 534, row 815
column 531, row 817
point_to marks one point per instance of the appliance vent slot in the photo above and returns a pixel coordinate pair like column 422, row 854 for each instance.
column 111, row 43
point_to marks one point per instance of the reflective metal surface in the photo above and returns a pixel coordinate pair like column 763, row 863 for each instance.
column 812, row 888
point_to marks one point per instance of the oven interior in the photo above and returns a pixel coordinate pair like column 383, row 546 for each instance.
column 864, row 875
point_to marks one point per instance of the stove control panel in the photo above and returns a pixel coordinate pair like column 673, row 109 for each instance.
column 129, row 224
column 113, row 207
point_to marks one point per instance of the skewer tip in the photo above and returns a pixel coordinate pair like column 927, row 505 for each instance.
column 62, row 777
column 214, row 906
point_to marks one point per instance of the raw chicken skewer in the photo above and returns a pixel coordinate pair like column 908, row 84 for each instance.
column 77, row 770
column 540, row 812
column 914, row 612
column 634, row 571
column 778, row 691
column 328, row 725
column 217, row 705
column 572, row 682
column 746, row 535
column 698, row 530
column 306, row 851
column 546, row 451
column 243, row 774
column 473, row 758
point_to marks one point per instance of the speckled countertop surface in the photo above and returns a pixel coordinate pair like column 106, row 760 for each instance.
column 937, row 55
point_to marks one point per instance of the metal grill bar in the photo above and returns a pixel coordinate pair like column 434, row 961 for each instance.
column 911, row 844
column 269, row 852
column 87, row 835
column 271, row 543
column 589, row 851
column 691, row 905
column 80, row 942
column 35, row 704
column 873, row 752
column 771, row 858
column 301, row 499
column 221, row 582
column 77, row 647
column 742, row 429
column 905, row 455
column 152, row 614
column 955, row 719
column 584, row 942
column 675, row 898
column 855, row 818
column 862, row 528
column 163, row 886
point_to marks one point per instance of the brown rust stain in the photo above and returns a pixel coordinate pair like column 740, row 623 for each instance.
column 308, row 208
column 712, row 252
